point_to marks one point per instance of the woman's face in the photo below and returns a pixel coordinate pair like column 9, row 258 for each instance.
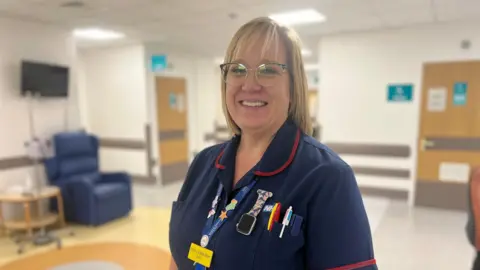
column 257, row 87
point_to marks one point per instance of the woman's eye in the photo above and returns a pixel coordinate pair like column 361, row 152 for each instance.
column 268, row 71
column 238, row 70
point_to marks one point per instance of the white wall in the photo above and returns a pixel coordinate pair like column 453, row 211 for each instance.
column 312, row 78
column 21, row 40
column 113, row 83
column 119, row 89
column 219, row 116
column 209, row 99
column 355, row 70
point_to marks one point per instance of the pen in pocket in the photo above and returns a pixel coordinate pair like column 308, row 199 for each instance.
column 286, row 220
column 274, row 216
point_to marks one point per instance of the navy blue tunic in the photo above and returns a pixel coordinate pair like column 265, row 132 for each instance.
column 300, row 172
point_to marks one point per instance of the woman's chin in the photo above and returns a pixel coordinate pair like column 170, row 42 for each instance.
column 253, row 124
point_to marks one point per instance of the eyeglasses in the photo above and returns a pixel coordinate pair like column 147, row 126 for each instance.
column 235, row 74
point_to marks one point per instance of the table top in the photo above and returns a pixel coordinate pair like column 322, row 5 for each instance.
column 45, row 192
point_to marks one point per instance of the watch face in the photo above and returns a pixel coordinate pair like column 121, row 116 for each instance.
column 246, row 224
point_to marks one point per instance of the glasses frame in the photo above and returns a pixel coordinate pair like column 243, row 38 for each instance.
column 284, row 68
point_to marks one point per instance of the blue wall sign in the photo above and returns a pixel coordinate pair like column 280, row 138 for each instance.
column 400, row 92
column 158, row 62
column 460, row 94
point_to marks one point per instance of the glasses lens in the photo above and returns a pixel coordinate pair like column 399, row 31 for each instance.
column 234, row 74
column 268, row 74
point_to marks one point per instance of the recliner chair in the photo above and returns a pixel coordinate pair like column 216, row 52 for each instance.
column 90, row 196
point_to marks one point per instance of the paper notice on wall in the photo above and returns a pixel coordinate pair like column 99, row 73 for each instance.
column 180, row 103
column 172, row 100
column 437, row 99
column 454, row 172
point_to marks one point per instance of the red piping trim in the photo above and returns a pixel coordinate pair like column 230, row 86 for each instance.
column 290, row 159
column 474, row 193
column 356, row 265
column 217, row 161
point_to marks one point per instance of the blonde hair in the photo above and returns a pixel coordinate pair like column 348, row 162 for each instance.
column 271, row 31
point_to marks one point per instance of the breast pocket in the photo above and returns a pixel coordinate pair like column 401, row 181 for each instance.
column 275, row 252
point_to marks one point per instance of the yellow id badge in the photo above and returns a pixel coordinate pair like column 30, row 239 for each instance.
column 200, row 255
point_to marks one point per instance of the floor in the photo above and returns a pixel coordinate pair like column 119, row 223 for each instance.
column 418, row 239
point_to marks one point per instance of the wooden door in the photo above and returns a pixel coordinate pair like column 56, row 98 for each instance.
column 449, row 137
column 172, row 128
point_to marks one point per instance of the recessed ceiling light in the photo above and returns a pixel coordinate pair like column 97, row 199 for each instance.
column 97, row 34
column 296, row 17
column 306, row 52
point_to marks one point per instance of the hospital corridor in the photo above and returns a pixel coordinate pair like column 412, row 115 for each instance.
column 228, row 135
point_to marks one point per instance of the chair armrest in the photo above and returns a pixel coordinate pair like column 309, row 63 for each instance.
column 51, row 169
column 81, row 192
column 81, row 187
column 115, row 177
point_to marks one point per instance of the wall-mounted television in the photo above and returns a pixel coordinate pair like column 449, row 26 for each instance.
column 44, row 80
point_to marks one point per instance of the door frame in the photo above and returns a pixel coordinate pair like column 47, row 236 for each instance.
column 152, row 115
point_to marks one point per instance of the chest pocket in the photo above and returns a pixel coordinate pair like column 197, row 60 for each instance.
column 274, row 252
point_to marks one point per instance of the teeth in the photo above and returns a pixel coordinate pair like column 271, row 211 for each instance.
column 254, row 103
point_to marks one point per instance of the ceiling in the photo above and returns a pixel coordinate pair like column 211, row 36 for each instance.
column 205, row 26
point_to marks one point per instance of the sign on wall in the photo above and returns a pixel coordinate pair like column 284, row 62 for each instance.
column 180, row 103
column 400, row 92
column 158, row 62
column 460, row 94
column 176, row 101
column 454, row 172
column 437, row 99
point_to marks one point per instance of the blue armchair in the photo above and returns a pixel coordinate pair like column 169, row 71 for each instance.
column 90, row 196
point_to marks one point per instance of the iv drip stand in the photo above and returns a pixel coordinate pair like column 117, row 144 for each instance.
column 42, row 237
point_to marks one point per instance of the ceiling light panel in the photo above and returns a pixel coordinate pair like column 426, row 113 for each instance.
column 299, row 17
column 97, row 34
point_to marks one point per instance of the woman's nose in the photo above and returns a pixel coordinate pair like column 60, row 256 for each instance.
column 251, row 83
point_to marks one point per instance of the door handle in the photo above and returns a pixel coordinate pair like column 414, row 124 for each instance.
column 426, row 143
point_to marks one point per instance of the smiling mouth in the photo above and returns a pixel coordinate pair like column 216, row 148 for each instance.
column 253, row 103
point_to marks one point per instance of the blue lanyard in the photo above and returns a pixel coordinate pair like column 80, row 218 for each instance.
column 212, row 225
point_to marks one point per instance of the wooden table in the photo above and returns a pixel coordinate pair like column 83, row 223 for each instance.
column 28, row 223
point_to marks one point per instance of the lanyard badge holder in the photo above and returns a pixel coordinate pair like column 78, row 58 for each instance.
column 200, row 254
column 248, row 220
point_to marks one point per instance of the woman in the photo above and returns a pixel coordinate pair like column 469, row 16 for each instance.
column 473, row 222
column 272, row 197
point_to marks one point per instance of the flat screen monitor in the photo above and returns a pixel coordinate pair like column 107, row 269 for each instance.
column 44, row 80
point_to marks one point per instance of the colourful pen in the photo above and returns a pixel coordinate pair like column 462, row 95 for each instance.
column 286, row 219
column 274, row 216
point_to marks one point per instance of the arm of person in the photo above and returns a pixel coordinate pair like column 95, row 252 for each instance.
column 338, row 231
column 200, row 161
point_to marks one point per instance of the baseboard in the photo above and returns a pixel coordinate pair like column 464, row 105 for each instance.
column 384, row 193
column 443, row 195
